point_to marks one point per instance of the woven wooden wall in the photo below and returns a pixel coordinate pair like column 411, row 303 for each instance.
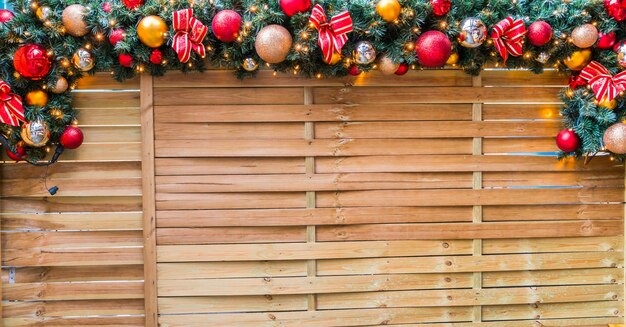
column 379, row 200
column 76, row 258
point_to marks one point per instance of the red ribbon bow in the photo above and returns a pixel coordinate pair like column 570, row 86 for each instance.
column 508, row 37
column 604, row 86
column 332, row 36
column 11, row 109
column 189, row 35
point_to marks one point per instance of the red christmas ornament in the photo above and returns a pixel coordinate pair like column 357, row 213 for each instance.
column 433, row 49
column 125, row 59
column 292, row 7
column 567, row 141
column 402, row 69
column 117, row 35
column 226, row 25
column 72, row 137
column 539, row 33
column 20, row 152
column 107, row 7
column 156, row 57
column 5, row 16
column 616, row 9
column 575, row 81
column 606, row 41
column 354, row 70
column 440, row 7
column 32, row 62
column 132, row 4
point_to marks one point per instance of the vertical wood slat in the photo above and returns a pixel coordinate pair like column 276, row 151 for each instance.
column 149, row 201
column 309, row 134
column 477, row 212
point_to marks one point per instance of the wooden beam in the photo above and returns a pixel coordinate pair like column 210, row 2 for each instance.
column 149, row 202
column 477, row 210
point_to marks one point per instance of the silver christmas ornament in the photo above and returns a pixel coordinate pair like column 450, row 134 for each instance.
column 543, row 57
column 44, row 13
column 249, row 64
column 621, row 54
column 83, row 60
column 35, row 133
column 473, row 32
column 364, row 53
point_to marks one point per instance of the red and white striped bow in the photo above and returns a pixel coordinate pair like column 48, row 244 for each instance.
column 508, row 37
column 604, row 86
column 332, row 36
column 189, row 35
column 11, row 108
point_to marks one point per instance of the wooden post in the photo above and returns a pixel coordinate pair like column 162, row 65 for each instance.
column 477, row 212
column 309, row 134
column 149, row 201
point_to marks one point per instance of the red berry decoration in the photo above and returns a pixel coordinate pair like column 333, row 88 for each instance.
column 133, row 4
column 539, row 33
column 156, row 57
column 107, row 7
column 32, row 62
column 354, row 70
column 575, row 81
column 433, row 49
column 402, row 69
column 226, row 25
column 20, row 152
column 606, row 41
column 440, row 7
column 117, row 35
column 615, row 9
column 292, row 7
column 125, row 59
column 5, row 16
column 72, row 137
column 567, row 141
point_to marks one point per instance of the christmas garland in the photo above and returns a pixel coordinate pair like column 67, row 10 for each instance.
column 46, row 46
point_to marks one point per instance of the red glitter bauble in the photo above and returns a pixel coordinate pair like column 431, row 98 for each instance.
column 156, row 57
column 539, row 33
column 133, row 4
column 125, row 59
column 32, row 62
column 226, row 25
column 433, row 49
column 117, row 35
column 72, row 137
column 107, row 7
column 5, row 16
column 616, row 9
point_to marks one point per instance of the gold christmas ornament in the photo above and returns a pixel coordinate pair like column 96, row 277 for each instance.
column 585, row 36
column 615, row 138
column 35, row 133
column 151, row 31
column 389, row 10
column 453, row 59
column 543, row 57
column 335, row 59
column 249, row 64
column 73, row 20
column 60, row 86
column 364, row 53
column 387, row 66
column 43, row 13
column 578, row 60
column 273, row 43
column 608, row 104
column 83, row 60
column 473, row 32
column 37, row 98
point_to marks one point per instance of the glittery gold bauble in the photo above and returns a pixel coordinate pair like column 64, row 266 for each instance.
column 83, row 60
column 585, row 36
column 249, row 64
column 453, row 59
column 151, row 31
column 73, row 20
column 389, row 10
column 60, row 86
column 335, row 59
column 364, row 53
column 387, row 66
column 615, row 138
column 273, row 43
column 604, row 103
column 37, row 98
column 44, row 13
column 35, row 133
column 578, row 60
